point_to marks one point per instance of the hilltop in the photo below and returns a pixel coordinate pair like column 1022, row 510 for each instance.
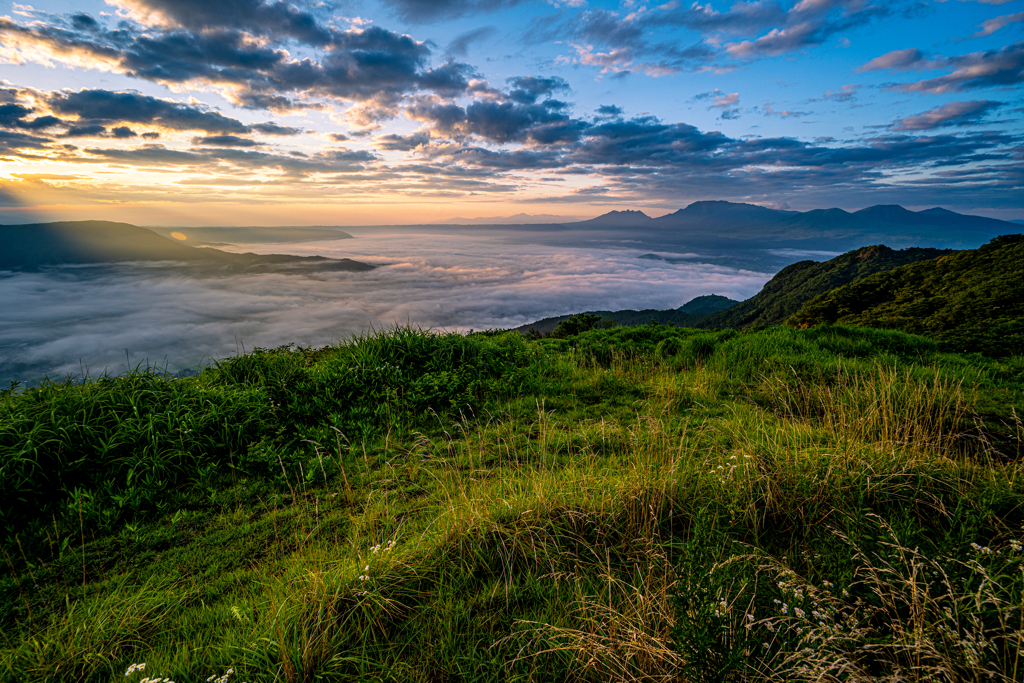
column 90, row 242
column 969, row 300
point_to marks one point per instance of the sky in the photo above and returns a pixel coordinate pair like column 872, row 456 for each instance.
column 309, row 112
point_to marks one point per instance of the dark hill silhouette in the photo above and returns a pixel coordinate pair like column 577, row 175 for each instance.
column 968, row 300
column 717, row 215
column 618, row 219
column 707, row 304
column 800, row 282
column 81, row 242
column 686, row 315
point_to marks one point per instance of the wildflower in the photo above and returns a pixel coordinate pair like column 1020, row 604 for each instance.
column 1015, row 545
column 135, row 667
column 785, row 608
column 799, row 612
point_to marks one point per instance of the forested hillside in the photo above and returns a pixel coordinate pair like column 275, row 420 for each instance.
column 969, row 300
column 794, row 285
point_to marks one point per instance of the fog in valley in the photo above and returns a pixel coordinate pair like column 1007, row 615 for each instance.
column 75, row 320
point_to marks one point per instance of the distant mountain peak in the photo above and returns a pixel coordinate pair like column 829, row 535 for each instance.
column 624, row 218
column 885, row 210
column 938, row 211
column 625, row 212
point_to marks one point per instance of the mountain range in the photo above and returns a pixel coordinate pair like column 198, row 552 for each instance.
column 836, row 229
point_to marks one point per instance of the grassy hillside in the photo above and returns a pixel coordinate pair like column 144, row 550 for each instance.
column 646, row 503
column 970, row 300
column 796, row 284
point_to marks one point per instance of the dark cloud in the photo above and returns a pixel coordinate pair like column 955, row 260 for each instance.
column 128, row 107
column 13, row 143
column 961, row 113
column 256, row 16
column 503, row 122
column 89, row 130
column 609, row 110
column 403, row 143
column 123, row 132
column 528, row 89
column 236, row 45
column 84, row 22
column 225, row 141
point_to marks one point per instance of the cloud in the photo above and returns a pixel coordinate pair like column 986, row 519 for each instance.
column 725, row 101
column 910, row 59
column 990, row 26
column 424, row 11
column 988, row 69
column 610, row 110
column 962, row 113
column 782, row 113
column 225, row 141
column 459, row 46
column 402, row 143
column 502, row 122
column 128, row 107
column 169, row 315
column 846, row 93
column 237, row 47
column 527, row 89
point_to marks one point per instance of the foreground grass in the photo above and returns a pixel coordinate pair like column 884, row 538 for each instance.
column 641, row 504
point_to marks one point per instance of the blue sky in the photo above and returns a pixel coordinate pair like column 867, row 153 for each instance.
column 266, row 112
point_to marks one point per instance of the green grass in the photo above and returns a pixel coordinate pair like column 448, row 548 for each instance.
column 622, row 504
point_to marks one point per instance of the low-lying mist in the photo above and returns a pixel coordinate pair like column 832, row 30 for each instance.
column 96, row 319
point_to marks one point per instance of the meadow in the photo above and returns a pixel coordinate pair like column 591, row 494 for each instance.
column 629, row 504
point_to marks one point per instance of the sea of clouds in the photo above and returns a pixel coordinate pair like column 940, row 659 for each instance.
column 95, row 319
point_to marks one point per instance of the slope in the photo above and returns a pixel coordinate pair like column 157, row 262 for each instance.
column 969, row 301
column 794, row 285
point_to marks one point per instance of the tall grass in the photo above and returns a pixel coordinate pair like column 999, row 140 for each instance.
column 629, row 513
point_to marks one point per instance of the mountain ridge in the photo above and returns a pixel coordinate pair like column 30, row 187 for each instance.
column 36, row 245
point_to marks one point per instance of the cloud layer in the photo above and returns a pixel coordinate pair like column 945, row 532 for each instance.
column 67, row 319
